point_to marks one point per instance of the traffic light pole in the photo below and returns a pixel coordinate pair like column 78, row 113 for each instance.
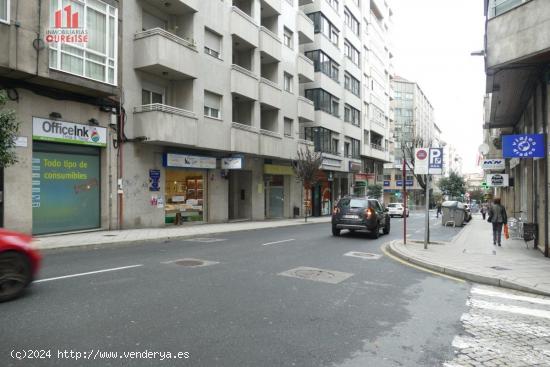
column 404, row 202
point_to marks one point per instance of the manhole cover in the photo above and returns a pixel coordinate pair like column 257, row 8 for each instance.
column 318, row 275
column 191, row 263
column 110, row 235
column 498, row 268
column 363, row 255
column 205, row 239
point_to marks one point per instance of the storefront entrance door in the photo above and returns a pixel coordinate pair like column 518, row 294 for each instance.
column 275, row 197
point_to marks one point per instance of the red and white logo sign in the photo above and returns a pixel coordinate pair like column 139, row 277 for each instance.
column 66, row 28
column 421, row 154
column 421, row 161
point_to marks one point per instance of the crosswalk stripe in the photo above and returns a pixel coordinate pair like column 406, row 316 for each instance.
column 494, row 293
column 508, row 308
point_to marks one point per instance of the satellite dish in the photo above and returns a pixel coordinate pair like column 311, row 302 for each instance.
column 483, row 148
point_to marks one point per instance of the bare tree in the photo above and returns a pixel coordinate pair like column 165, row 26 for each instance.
column 306, row 169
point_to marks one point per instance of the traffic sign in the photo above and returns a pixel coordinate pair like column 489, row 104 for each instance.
column 436, row 161
column 421, row 161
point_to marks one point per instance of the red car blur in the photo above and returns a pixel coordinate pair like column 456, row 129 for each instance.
column 19, row 263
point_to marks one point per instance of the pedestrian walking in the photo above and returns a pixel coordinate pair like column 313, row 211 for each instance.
column 498, row 217
column 483, row 211
column 438, row 206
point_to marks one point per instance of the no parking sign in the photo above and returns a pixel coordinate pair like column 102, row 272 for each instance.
column 421, row 161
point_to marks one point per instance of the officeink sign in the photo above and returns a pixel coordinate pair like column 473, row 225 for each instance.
column 68, row 132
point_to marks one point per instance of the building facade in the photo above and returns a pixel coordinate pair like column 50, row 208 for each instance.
column 63, row 91
column 414, row 120
column 351, row 53
column 517, row 68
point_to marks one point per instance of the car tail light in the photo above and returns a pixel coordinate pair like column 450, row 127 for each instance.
column 369, row 212
column 336, row 210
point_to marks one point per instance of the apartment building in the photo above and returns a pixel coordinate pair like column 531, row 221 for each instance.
column 60, row 69
column 414, row 120
column 350, row 92
column 516, row 107
column 211, row 94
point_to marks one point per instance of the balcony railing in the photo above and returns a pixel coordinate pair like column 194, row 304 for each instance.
column 377, row 147
column 270, row 133
column 240, row 126
column 187, row 42
column 164, row 108
column 498, row 7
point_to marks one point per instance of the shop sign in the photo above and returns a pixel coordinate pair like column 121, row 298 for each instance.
column 66, row 29
column 493, row 164
column 68, row 132
column 354, row 166
column 361, row 177
column 232, row 163
column 21, row 141
column 273, row 169
column 407, row 182
column 523, row 146
column 386, row 183
column 188, row 161
column 498, row 180
column 154, row 177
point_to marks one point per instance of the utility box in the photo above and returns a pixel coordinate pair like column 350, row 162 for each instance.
column 452, row 213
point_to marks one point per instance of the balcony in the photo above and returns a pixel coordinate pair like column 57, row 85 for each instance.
column 274, row 5
column 305, row 2
column 177, row 7
column 306, row 72
column 165, row 124
column 513, row 40
column 244, row 138
column 244, row 26
column 305, row 145
column 306, row 110
column 270, row 93
column 270, row 43
column 271, row 144
column 164, row 54
column 305, row 28
column 244, row 82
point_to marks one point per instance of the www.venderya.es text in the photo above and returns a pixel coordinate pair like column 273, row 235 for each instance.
column 95, row 354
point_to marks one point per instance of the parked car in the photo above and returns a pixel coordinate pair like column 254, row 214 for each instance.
column 360, row 214
column 397, row 209
column 19, row 263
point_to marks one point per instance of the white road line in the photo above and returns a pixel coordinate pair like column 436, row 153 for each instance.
column 87, row 273
column 492, row 293
column 508, row 308
column 276, row 242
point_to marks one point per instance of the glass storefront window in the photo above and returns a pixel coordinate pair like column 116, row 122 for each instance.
column 185, row 196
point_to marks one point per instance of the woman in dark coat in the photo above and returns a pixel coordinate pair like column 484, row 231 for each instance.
column 498, row 217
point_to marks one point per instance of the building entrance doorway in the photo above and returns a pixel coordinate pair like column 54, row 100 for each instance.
column 240, row 192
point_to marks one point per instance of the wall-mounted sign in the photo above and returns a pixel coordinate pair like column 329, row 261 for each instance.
column 421, row 161
column 232, row 163
column 154, row 177
column 68, row 132
column 21, row 141
column 497, row 180
column 354, row 166
column 67, row 25
column 407, row 182
column 435, row 161
column 274, row 169
column 386, row 183
column 360, row 177
column 523, row 146
column 188, row 161
column 493, row 164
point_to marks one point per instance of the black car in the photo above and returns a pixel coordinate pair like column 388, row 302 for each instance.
column 360, row 214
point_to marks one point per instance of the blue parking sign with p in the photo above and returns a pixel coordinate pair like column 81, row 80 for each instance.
column 435, row 162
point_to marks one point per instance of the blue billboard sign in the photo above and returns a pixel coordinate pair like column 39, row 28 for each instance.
column 523, row 146
column 386, row 183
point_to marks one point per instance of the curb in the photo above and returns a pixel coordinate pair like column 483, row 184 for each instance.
column 168, row 237
column 483, row 279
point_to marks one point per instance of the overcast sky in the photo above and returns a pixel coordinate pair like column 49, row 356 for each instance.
column 433, row 40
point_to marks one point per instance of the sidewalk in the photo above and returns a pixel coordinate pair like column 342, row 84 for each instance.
column 472, row 256
column 133, row 235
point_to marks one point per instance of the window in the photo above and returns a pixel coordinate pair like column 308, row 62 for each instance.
column 322, row 139
column 5, row 11
column 97, row 59
column 324, row 64
column 288, row 38
column 335, row 150
column 351, row 21
column 351, row 53
column 333, row 3
column 150, row 97
column 346, row 149
column 288, row 127
column 324, row 26
column 352, row 115
column 352, row 84
column 387, row 177
column 398, row 177
column 212, row 105
column 289, row 80
column 355, row 148
column 324, row 101
column 212, row 43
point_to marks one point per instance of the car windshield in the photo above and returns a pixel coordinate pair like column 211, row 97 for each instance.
column 394, row 205
column 353, row 203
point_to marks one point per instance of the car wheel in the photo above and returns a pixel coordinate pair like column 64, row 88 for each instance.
column 15, row 275
column 335, row 231
column 376, row 233
column 386, row 229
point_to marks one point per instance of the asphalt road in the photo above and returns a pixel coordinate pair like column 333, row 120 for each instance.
column 238, row 310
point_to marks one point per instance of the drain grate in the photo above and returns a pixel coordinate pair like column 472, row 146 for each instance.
column 498, row 268
column 191, row 263
column 363, row 255
column 110, row 235
column 318, row 275
column 205, row 239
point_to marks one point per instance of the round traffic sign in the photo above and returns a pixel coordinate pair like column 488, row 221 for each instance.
column 421, row 154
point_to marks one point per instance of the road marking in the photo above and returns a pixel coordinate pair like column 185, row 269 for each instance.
column 383, row 248
column 276, row 242
column 363, row 255
column 508, row 308
column 493, row 293
column 87, row 273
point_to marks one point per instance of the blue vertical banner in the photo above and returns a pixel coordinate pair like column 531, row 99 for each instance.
column 523, row 146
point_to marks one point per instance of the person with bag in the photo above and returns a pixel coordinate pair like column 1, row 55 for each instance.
column 498, row 217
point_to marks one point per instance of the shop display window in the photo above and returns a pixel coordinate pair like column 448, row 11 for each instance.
column 184, row 196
